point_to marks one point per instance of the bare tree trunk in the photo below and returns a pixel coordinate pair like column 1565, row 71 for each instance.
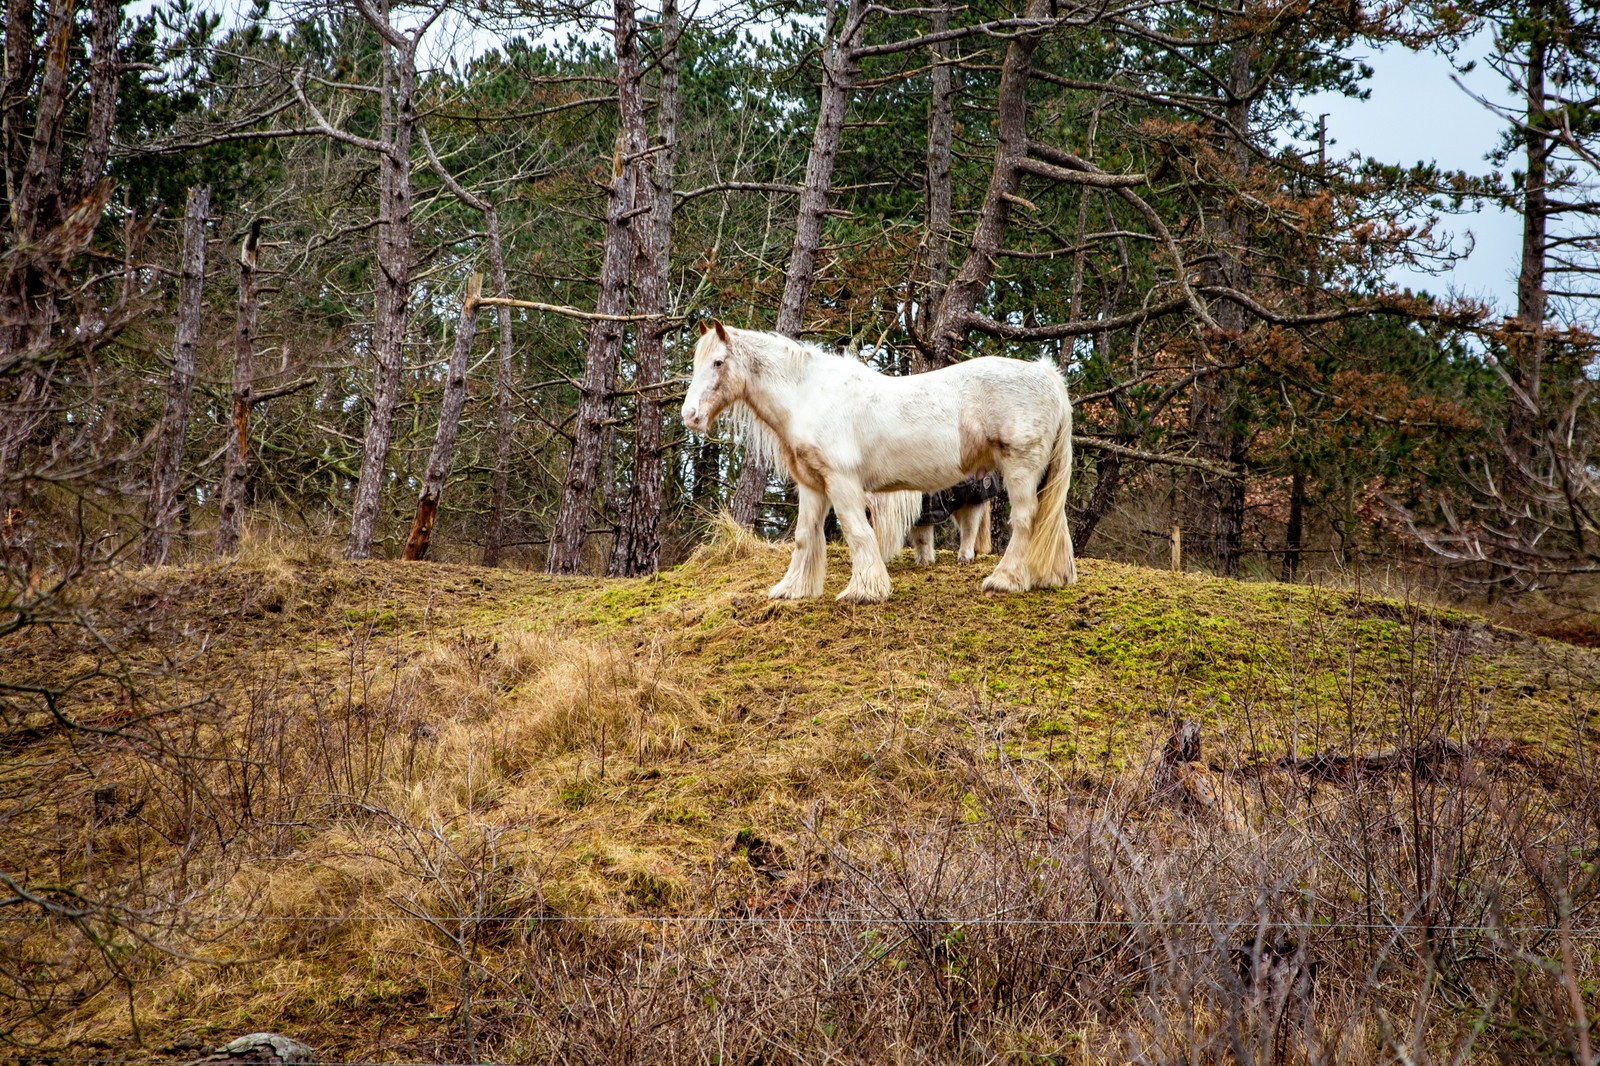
column 707, row 467
column 839, row 68
column 940, row 192
column 235, row 469
column 952, row 322
column 105, row 19
column 33, row 176
column 1108, row 480
column 605, row 337
column 494, row 536
column 168, row 471
column 444, row 440
column 638, row 548
column 1295, row 535
column 1526, row 345
column 392, row 297
column 14, row 95
column 1216, row 505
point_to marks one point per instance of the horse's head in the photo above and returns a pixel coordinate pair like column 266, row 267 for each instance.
column 718, row 380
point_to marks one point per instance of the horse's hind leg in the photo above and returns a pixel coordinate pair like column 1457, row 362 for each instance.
column 808, row 566
column 1012, row 575
column 970, row 521
column 869, row 578
column 922, row 541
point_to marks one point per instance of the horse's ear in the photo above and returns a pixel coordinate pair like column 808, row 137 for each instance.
column 722, row 333
column 704, row 329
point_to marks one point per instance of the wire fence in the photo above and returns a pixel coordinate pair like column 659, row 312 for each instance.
column 935, row 921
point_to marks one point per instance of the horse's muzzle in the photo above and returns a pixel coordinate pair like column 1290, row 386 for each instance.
column 693, row 419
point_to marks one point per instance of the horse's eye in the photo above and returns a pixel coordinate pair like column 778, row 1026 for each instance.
column 716, row 362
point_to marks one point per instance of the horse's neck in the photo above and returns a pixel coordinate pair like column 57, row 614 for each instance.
column 779, row 382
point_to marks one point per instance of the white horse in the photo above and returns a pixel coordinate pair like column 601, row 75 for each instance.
column 842, row 430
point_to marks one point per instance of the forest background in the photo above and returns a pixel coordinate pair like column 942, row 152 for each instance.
column 243, row 261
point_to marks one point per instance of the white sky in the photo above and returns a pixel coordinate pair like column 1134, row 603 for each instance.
column 1416, row 113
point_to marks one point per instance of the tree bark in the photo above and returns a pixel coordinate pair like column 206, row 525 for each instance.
column 940, row 191
column 707, row 468
column 1526, row 344
column 494, row 536
column 444, row 440
column 15, row 80
column 952, row 322
column 37, row 199
column 605, row 336
column 839, row 67
column 1295, row 536
column 168, row 472
column 495, row 533
column 1108, row 480
column 105, row 18
column 638, row 548
column 235, row 469
column 1216, row 506
column 392, row 296
column 33, row 186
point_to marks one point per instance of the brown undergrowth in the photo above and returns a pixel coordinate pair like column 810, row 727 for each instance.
column 437, row 813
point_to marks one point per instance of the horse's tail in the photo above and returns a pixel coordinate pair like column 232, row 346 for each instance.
column 1050, row 558
column 893, row 515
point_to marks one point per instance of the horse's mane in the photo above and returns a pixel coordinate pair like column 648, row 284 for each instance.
column 760, row 443
column 774, row 355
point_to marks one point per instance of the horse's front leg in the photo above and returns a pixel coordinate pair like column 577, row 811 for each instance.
column 922, row 541
column 808, row 566
column 869, row 578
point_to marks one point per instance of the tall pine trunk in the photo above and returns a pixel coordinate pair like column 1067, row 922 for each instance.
column 952, row 322
column 605, row 335
column 638, row 548
column 52, row 216
column 168, row 471
column 444, row 440
column 940, row 190
column 1526, row 344
column 495, row 533
column 392, row 277
column 839, row 68
column 236, row 464
column 1216, row 505
column 494, row 536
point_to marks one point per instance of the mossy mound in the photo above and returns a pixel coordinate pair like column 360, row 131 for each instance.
column 347, row 747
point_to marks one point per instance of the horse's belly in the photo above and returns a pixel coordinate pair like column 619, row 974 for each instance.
column 919, row 466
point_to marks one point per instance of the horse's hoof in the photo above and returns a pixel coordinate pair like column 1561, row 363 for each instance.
column 965, row 558
column 856, row 593
column 785, row 591
column 998, row 582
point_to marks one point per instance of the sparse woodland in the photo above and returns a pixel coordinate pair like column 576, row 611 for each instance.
column 383, row 664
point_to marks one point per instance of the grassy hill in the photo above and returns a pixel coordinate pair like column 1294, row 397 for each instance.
column 430, row 812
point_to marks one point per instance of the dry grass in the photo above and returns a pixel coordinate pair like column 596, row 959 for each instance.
column 441, row 784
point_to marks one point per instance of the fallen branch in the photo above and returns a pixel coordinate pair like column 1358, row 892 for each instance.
column 569, row 312
column 1230, row 473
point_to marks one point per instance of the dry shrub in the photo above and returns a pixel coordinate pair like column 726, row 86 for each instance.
column 728, row 542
